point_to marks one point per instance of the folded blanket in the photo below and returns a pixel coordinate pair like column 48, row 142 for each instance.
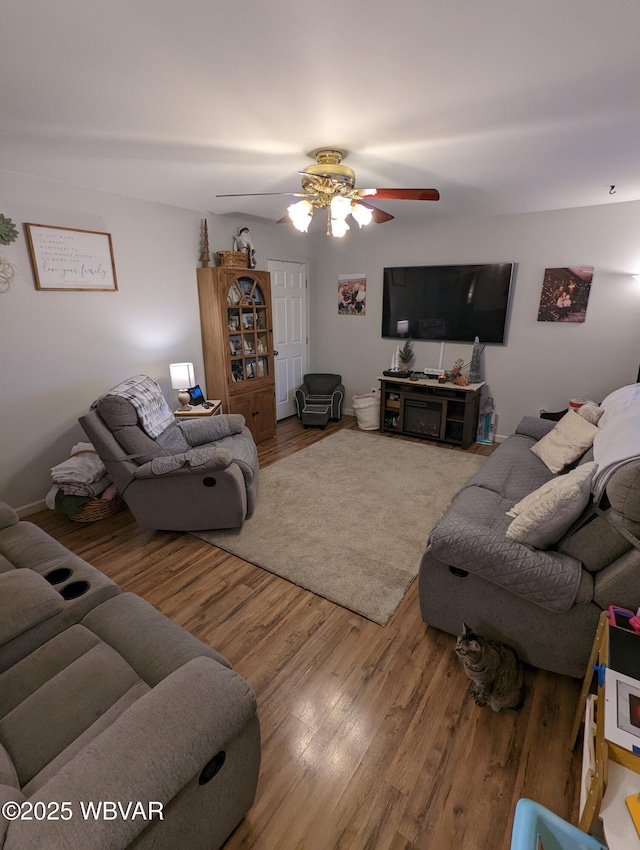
column 146, row 397
column 79, row 489
column 618, row 439
column 83, row 467
column 70, row 505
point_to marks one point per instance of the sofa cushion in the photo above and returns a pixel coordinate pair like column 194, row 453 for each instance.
column 623, row 490
column 173, row 440
column 545, row 515
column 591, row 412
column 8, row 775
column 570, row 438
column 512, row 471
column 62, row 708
column 26, row 599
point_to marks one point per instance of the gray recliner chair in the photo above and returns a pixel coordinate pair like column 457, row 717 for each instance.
column 319, row 398
column 174, row 475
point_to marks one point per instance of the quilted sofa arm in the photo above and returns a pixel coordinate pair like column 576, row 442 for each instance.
column 149, row 754
column 549, row 579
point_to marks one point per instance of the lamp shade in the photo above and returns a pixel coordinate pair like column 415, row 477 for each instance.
column 182, row 375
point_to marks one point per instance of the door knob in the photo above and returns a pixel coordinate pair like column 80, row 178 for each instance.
column 275, row 353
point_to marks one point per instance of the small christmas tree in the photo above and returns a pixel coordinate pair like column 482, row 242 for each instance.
column 474, row 367
column 406, row 354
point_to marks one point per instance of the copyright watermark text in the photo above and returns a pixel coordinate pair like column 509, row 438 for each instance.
column 90, row 810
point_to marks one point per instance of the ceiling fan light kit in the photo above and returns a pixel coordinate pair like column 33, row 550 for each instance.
column 331, row 185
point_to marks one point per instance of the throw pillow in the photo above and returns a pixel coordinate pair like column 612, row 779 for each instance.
column 591, row 412
column 542, row 517
column 569, row 439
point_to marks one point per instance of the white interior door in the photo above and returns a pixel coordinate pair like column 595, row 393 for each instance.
column 289, row 305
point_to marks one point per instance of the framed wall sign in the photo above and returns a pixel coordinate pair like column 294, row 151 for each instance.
column 66, row 258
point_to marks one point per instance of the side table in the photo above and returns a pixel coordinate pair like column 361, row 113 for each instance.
column 197, row 410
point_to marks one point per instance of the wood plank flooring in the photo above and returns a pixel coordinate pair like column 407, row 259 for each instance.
column 369, row 739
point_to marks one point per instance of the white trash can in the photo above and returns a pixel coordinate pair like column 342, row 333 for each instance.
column 367, row 410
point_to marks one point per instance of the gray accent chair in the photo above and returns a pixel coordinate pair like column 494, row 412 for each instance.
column 122, row 705
column 197, row 474
column 544, row 603
column 320, row 389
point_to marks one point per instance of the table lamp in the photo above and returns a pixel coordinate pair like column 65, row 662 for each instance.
column 182, row 377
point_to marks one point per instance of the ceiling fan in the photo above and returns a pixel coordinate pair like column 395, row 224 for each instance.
column 330, row 184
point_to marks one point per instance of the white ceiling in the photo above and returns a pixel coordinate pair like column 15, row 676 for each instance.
column 504, row 106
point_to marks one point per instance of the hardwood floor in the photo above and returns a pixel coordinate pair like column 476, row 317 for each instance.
column 369, row 739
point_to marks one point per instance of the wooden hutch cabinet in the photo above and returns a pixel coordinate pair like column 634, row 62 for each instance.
column 237, row 344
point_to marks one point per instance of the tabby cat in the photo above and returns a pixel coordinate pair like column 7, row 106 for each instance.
column 494, row 669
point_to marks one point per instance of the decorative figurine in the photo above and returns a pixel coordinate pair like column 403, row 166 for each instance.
column 205, row 256
column 456, row 374
column 244, row 242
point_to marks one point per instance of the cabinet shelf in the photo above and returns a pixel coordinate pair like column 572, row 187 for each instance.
column 237, row 343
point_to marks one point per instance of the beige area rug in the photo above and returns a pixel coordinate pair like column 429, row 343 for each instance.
column 348, row 517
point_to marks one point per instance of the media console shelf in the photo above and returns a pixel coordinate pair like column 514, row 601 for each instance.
column 424, row 408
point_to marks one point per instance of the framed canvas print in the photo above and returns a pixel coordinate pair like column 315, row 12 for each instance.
column 66, row 258
column 565, row 293
column 352, row 294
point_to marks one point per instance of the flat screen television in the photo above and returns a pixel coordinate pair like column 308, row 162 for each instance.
column 448, row 303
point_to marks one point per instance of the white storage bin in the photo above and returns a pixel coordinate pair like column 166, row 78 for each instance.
column 367, row 410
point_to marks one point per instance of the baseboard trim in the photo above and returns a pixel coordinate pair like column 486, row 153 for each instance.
column 31, row 508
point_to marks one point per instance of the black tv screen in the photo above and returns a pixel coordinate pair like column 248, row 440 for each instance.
column 448, row 303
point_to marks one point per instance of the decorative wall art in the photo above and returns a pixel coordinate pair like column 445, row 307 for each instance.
column 352, row 294
column 8, row 232
column 66, row 258
column 565, row 292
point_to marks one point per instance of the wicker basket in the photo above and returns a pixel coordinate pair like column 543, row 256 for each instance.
column 99, row 509
column 233, row 259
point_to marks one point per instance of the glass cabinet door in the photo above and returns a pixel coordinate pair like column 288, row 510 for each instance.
column 247, row 323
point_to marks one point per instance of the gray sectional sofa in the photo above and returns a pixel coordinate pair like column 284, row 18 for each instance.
column 545, row 602
column 105, row 700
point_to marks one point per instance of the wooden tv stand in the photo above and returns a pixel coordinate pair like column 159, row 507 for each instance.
column 425, row 408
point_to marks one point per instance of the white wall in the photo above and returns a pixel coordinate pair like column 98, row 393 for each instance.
column 543, row 364
column 60, row 350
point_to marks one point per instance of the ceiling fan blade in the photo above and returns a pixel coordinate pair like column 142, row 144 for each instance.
column 379, row 216
column 259, row 194
column 400, row 194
